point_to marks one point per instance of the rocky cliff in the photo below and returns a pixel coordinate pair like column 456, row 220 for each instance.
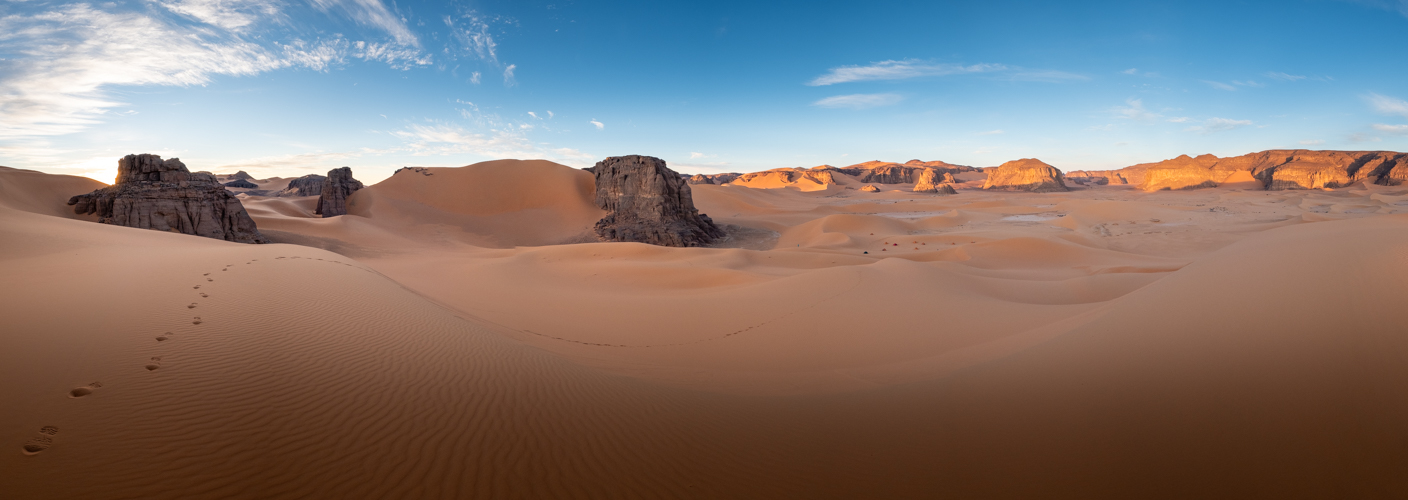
column 648, row 203
column 1277, row 169
column 308, row 185
column 931, row 181
column 1027, row 174
column 337, row 187
column 151, row 193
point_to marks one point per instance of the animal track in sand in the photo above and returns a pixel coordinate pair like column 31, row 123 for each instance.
column 79, row 392
column 196, row 321
column 42, row 441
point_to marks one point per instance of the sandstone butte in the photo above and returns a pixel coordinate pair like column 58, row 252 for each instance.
column 1028, row 174
column 339, row 185
column 151, row 193
column 931, row 181
column 648, row 203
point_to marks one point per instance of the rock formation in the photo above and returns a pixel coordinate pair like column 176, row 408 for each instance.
column 1027, row 174
column 930, row 181
column 804, row 179
column 698, row 179
column 648, row 203
column 308, row 185
column 1277, row 169
column 870, row 189
column 151, row 193
column 242, row 184
column 242, row 175
column 338, row 186
column 882, row 172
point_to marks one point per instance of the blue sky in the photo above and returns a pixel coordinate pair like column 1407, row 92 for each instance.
column 291, row 87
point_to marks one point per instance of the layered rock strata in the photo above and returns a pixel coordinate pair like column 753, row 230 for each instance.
column 648, row 203
column 337, row 187
column 1027, row 174
column 241, row 184
column 151, row 193
column 308, row 185
column 931, row 181
column 1277, row 169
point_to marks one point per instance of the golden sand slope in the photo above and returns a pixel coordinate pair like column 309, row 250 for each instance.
column 1095, row 344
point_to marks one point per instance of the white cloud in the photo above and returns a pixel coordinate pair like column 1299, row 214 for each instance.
column 1131, row 71
column 1219, row 85
column 1248, row 83
column 1391, row 129
column 1310, row 142
column 472, row 32
column 1134, row 110
column 1215, row 125
column 992, row 132
column 509, row 81
column 474, row 78
column 1046, row 75
column 534, row 115
column 697, row 156
column 1179, row 119
column 898, row 70
column 375, row 14
column 549, row 114
column 227, row 14
column 1388, row 105
column 599, row 125
column 443, row 139
column 1276, row 75
column 859, row 101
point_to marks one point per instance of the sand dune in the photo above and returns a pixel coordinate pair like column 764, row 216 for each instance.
column 438, row 343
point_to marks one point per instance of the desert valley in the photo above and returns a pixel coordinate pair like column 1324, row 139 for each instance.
column 1196, row 327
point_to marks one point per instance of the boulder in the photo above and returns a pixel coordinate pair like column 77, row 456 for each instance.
column 241, row 184
column 648, row 203
column 1027, row 174
column 931, row 181
column 337, row 187
column 151, row 193
column 308, row 185
column 870, row 189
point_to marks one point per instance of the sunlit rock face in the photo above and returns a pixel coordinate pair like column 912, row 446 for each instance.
column 1027, row 174
column 1278, row 169
column 339, row 185
column 152, row 193
column 1184, row 172
column 881, row 172
column 648, row 203
column 814, row 179
column 931, row 181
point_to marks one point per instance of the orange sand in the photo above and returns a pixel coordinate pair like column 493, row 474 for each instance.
column 441, row 342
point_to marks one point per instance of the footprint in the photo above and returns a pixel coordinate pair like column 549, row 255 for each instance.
column 206, row 274
column 79, row 392
column 203, row 295
column 42, row 441
column 192, row 306
column 156, row 363
column 197, row 287
column 210, row 279
column 196, row 321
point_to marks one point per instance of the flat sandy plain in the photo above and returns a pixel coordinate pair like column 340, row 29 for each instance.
column 439, row 342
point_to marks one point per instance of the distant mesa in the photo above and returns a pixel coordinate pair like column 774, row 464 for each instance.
column 814, row 179
column 338, row 186
column 241, row 183
column 1275, row 170
column 308, row 185
column 151, row 193
column 881, row 172
column 648, row 203
column 932, row 181
column 870, row 189
column 1028, row 174
column 242, row 175
column 1095, row 177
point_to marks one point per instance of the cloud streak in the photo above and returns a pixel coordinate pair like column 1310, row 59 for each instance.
column 1388, row 105
column 1215, row 125
column 898, row 70
column 859, row 101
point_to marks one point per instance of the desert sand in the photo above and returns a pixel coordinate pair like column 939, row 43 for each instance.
column 452, row 337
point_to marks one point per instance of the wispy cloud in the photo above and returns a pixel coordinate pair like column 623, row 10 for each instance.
column 898, row 70
column 1045, row 75
column 1219, row 85
column 1310, row 142
column 1179, row 119
column 1276, row 75
column 226, row 14
column 509, row 80
column 1136, row 72
column 598, row 125
column 1388, row 105
column 444, row 138
column 471, row 31
column 1215, row 125
column 1134, row 110
column 474, row 77
column 372, row 13
column 1391, row 129
column 859, row 101
column 1248, row 83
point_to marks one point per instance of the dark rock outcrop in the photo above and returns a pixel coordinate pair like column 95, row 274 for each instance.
column 151, row 193
column 1028, row 174
column 308, row 185
column 339, row 185
column 241, row 184
column 242, row 175
column 648, row 203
